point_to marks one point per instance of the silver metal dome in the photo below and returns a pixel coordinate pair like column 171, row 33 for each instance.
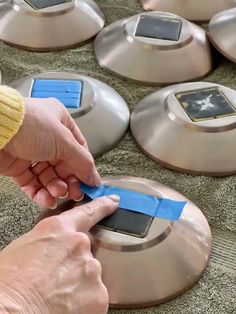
column 100, row 112
column 155, row 48
column 189, row 127
column 222, row 33
column 193, row 10
column 41, row 25
column 167, row 261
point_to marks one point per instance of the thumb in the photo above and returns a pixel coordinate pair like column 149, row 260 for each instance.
column 78, row 158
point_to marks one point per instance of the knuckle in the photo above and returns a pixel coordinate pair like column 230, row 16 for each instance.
column 78, row 244
column 103, row 300
column 104, row 203
column 54, row 223
column 56, row 103
column 83, row 240
column 98, row 300
column 94, row 268
column 88, row 209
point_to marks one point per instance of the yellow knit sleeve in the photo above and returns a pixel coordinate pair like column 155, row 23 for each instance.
column 11, row 114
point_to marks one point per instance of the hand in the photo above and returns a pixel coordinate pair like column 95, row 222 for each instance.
column 51, row 269
column 50, row 137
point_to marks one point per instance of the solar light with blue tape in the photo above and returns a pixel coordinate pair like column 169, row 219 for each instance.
column 138, row 202
column 68, row 92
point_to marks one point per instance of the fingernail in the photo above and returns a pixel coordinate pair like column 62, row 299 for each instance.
column 54, row 206
column 114, row 198
column 80, row 199
column 65, row 196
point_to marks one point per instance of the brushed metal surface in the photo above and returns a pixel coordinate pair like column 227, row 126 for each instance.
column 166, row 134
column 154, row 61
column 193, row 10
column 222, row 33
column 167, row 262
column 103, row 116
column 53, row 28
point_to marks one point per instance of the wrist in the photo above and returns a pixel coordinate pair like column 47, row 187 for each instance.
column 11, row 302
column 18, row 300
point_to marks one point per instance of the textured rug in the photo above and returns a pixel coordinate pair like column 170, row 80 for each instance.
column 216, row 291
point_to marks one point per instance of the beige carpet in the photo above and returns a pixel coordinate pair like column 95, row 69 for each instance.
column 216, row 291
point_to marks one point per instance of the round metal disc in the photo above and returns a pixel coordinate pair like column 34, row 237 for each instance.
column 193, row 10
column 102, row 115
column 155, row 48
column 222, row 33
column 189, row 127
column 169, row 260
column 49, row 25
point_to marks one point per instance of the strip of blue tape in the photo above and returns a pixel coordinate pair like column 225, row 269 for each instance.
column 138, row 202
column 48, row 85
column 68, row 92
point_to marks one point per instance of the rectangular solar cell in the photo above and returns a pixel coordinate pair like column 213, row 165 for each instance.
column 159, row 28
column 42, row 4
column 127, row 222
column 205, row 104
column 68, row 92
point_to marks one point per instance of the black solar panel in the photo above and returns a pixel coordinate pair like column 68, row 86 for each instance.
column 42, row 4
column 159, row 28
column 127, row 222
column 205, row 104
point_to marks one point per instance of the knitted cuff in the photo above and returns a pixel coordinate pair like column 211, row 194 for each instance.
column 11, row 114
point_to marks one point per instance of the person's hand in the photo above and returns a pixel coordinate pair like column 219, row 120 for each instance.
column 51, row 140
column 51, row 270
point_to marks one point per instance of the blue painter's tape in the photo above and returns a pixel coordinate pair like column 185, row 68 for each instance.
column 48, row 85
column 67, row 92
column 138, row 202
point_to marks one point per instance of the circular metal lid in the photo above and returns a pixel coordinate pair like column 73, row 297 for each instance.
column 154, row 47
column 167, row 261
column 49, row 25
column 189, row 127
column 194, row 10
column 100, row 112
column 222, row 33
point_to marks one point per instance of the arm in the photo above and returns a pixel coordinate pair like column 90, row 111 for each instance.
column 51, row 269
column 42, row 149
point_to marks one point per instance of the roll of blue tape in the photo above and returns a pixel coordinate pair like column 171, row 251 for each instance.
column 138, row 202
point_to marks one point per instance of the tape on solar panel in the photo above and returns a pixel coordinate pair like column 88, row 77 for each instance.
column 68, row 92
column 139, row 202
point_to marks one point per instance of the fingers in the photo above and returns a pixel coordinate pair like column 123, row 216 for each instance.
column 84, row 217
column 20, row 173
column 78, row 158
column 72, row 126
column 40, row 195
column 43, row 185
column 11, row 166
column 44, row 199
column 74, row 192
column 50, row 180
column 67, row 175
